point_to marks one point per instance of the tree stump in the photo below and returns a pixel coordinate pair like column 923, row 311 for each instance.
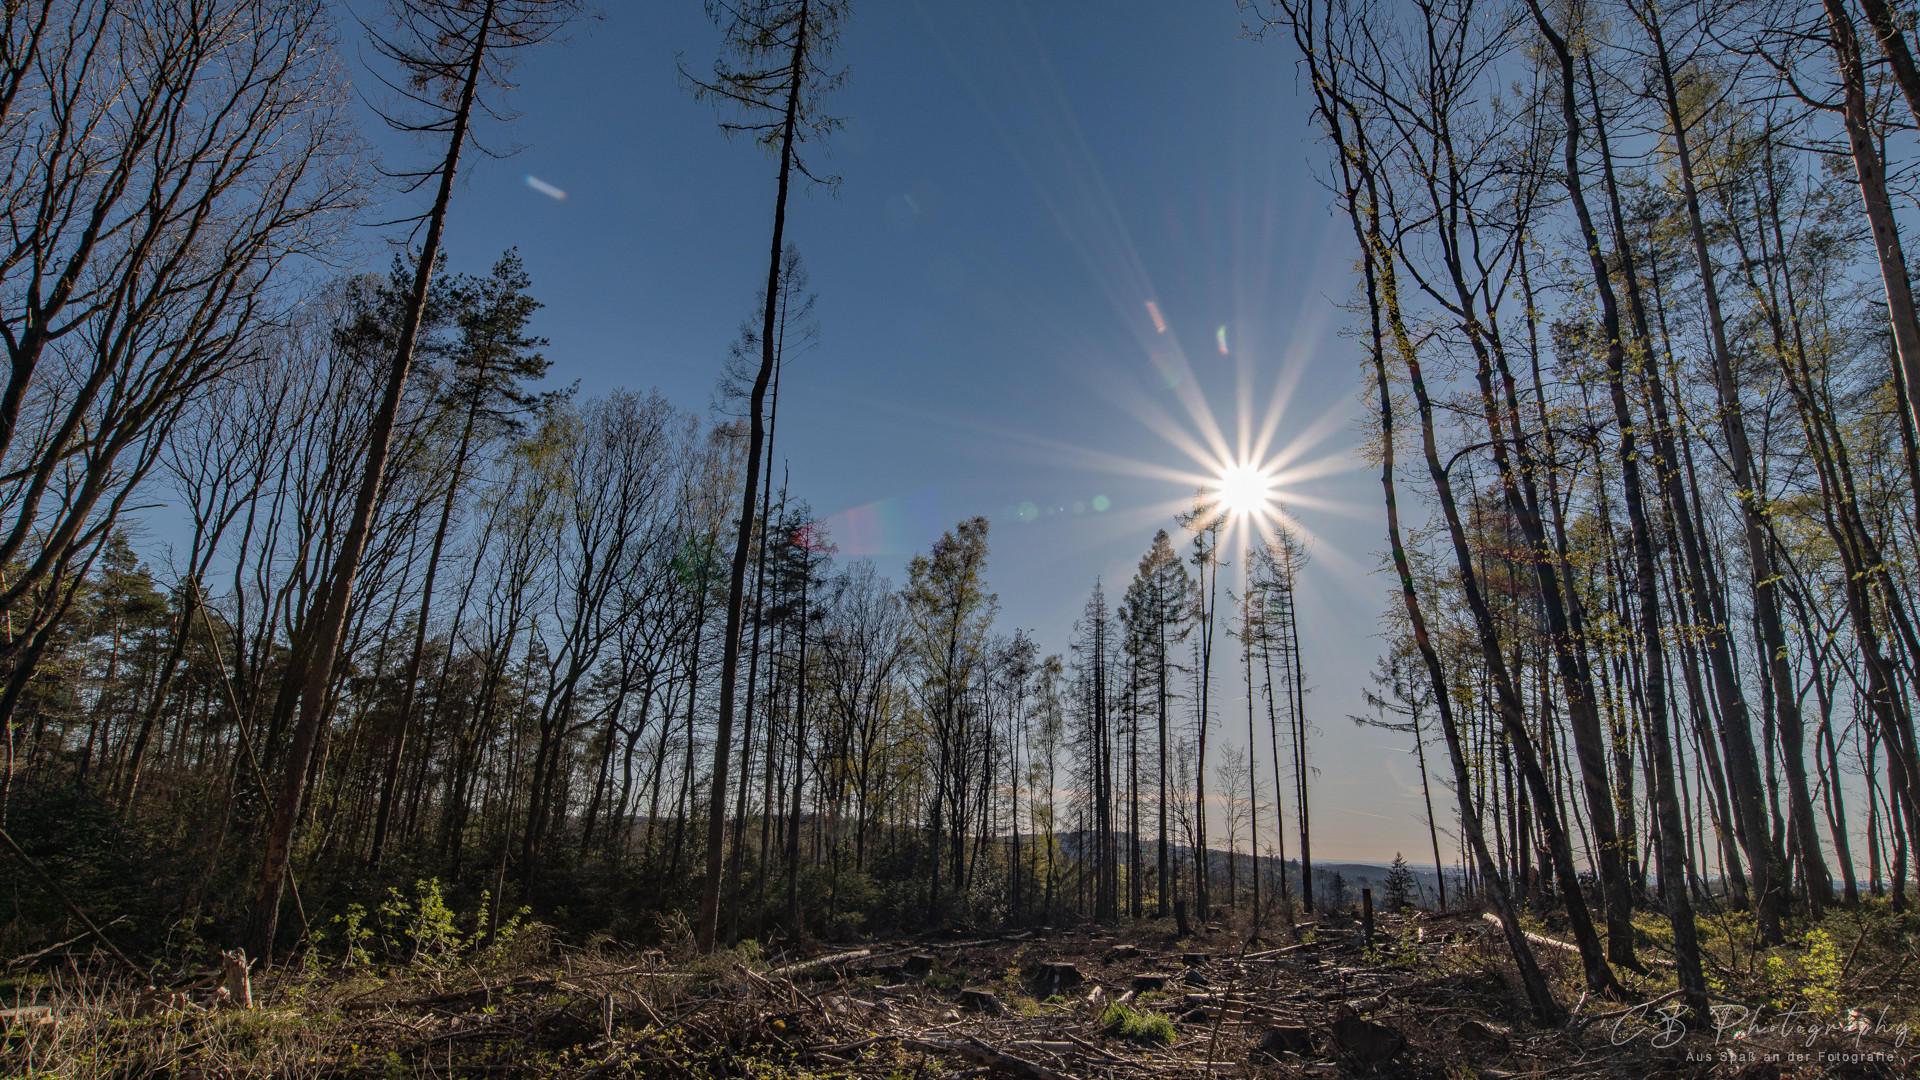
column 1366, row 1042
column 1286, row 1039
column 1058, row 977
column 235, row 978
column 1473, row 1031
column 983, row 1001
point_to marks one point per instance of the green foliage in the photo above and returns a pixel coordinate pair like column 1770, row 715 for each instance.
column 948, row 981
column 421, row 931
column 1405, row 948
column 1813, row 976
column 425, row 925
column 1402, row 887
column 721, row 963
column 356, row 933
column 1821, row 967
column 1137, row 1026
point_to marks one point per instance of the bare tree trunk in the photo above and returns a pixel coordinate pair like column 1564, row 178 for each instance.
column 736, row 584
column 1646, row 574
column 324, row 646
column 1382, row 296
column 1765, row 860
column 1871, row 173
column 397, row 748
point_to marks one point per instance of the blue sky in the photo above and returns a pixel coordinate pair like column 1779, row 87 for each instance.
column 1019, row 182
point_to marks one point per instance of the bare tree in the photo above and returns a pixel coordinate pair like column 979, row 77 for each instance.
column 779, row 49
column 166, row 163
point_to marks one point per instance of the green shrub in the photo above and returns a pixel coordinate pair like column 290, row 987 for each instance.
column 420, row 931
column 1145, row 1027
column 949, row 981
column 424, row 931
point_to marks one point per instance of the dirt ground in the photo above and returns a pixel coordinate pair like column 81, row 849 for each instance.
column 1430, row 998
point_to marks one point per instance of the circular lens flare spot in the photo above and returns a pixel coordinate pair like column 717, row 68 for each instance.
column 1243, row 490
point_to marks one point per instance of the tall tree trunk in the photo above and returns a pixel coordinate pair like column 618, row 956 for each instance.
column 799, row 760
column 1209, row 591
column 324, row 645
column 1646, row 574
column 736, row 582
column 1382, row 297
column 1871, row 173
column 1766, row 862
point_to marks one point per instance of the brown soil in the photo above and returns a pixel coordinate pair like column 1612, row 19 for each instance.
column 1432, row 1000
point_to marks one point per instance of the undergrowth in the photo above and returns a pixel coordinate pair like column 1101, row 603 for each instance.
column 1137, row 1026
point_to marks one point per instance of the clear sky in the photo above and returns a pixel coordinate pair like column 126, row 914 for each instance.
column 1020, row 181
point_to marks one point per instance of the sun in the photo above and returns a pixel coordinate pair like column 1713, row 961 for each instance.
column 1243, row 491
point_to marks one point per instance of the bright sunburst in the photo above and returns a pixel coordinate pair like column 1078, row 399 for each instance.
column 1243, row 490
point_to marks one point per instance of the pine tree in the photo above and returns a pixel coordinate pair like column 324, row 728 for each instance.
column 1402, row 888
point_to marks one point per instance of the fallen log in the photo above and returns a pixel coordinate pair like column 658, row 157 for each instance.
column 981, row 1054
column 22, row 961
column 1049, row 1047
column 822, row 961
column 72, row 908
column 1281, row 952
column 449, row 997
column 1566, row 946
column 35, row 1015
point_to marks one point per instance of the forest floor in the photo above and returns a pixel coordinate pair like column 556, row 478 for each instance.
column 1432, row 997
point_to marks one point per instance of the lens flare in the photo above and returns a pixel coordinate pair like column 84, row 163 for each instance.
column 544, row 188
column 900, row 525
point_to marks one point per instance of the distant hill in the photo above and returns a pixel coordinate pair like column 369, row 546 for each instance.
column 1353, row 875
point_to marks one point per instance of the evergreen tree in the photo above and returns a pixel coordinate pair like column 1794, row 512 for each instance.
column 1402, row 887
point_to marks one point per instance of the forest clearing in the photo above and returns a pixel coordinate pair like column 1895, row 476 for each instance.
column 1429, row 997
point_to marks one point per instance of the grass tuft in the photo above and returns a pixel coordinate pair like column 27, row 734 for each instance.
column 1145, row 1027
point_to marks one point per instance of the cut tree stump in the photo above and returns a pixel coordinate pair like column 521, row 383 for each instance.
column 1150, row 981
column 1287, row 1039
column 1057, row 977
column 236, row 979
column 1366, row 1042
column 1473, row 1031
column 983, row 1001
